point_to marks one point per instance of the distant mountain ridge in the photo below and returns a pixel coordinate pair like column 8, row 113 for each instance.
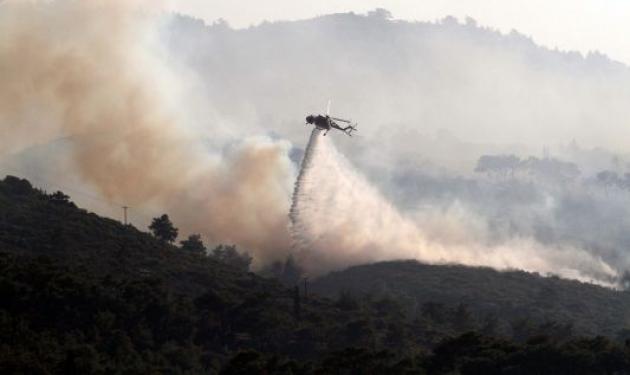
column 477, row 83
column 514, row 37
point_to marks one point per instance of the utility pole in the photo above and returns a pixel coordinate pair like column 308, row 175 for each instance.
column 125, row 214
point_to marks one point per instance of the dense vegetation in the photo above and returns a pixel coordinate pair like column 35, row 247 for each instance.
column 84, row 294
column 512, row 297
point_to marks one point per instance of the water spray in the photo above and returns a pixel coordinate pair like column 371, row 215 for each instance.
column 338, row 219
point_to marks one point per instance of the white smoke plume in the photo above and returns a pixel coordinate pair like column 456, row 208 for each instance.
column 93, row 73
column 338, row 219
column 191, row 120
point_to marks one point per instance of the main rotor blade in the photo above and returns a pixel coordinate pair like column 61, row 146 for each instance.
column 341, row 120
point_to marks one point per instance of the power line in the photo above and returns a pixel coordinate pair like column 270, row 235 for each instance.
column 125, row 214
column 45, row 182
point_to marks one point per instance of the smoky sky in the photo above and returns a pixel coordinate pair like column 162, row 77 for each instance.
column 201, row 121
column 95, row 75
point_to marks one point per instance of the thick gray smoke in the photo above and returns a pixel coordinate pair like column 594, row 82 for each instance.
column 94, row 74
column 167, row 114
column 431, row 99
column 338, row 219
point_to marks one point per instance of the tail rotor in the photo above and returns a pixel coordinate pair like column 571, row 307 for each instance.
column 351, row 128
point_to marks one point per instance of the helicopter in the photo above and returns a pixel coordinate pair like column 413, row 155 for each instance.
column 326, row 122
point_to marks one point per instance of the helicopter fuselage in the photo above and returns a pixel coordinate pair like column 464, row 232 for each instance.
column 325, row 122
column 320, row 122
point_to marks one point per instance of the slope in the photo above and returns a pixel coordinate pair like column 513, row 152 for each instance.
column 512, row 296
column 81, row 293
column 84, row 294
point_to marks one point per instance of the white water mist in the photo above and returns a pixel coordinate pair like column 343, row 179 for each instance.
column 339, row 219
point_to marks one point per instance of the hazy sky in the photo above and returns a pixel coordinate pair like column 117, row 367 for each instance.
column 582, row 25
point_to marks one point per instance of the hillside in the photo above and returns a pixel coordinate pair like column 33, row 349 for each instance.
column 81, row 293
column 87, row 295
column 512, row 296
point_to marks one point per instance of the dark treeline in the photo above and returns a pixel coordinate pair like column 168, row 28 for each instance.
column 164, row 230
column 519, row 304
column 57, row 319
column 84, row 294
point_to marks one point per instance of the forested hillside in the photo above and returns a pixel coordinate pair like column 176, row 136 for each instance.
column 512, row 298
column 83, row 294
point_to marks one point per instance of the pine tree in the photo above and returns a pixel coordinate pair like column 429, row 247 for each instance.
column 193, row 244
column 163, row 229
column 297, row 305
column 462, row 319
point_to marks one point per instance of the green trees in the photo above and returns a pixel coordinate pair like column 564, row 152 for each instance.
column 288, row 272
column 112, row 299
column 434, row 311
column 61, row 198
column 193, row 244
column 17, row 186
column 462, row 319
column 163, row 229
column 297, row 305
column 229, row 255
